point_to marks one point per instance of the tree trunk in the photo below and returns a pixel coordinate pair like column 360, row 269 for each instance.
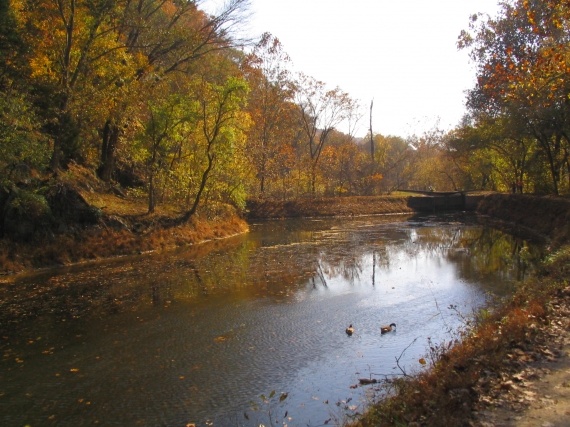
column 64, row 133
column 55, row 161
column 151, row 198
column 262, row 185
column 371, row 134
column 108, row 151
column 313, row 178
column 203, row 182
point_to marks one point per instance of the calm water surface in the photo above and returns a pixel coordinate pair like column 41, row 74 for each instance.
column 199, row 335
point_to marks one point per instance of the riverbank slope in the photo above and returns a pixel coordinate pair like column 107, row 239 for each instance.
column 75, row 217
column 510, row 367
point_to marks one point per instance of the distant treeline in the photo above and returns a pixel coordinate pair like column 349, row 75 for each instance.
column 166, row 100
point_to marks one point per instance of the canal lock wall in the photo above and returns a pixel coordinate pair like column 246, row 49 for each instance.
column 545, row 216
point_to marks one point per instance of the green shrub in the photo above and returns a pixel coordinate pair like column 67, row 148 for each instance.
column 26, row 215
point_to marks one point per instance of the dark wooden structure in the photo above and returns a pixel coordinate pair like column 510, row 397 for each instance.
column 439, row 201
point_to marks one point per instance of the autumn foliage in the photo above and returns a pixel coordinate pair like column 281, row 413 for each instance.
column 166, row 102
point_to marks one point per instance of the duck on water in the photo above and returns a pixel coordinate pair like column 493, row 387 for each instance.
column 383, row 329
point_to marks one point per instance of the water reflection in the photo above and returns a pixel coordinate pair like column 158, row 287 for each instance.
column 199, row 334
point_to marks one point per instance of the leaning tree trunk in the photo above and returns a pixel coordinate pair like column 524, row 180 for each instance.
column 203, row 182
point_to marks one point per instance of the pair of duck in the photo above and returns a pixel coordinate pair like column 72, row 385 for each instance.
column 383, row 329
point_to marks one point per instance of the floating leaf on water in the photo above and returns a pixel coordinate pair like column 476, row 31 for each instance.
column 422, row 361
column 283, row 397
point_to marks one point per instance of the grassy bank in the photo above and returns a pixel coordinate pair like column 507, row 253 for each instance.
column 337, row 206
column 126, row 228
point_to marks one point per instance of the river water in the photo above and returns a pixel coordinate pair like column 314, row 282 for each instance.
column 248, row 330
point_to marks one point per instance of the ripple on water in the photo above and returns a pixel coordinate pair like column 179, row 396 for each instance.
column 267, row 314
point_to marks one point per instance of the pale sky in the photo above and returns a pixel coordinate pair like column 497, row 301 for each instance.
column 401, row 53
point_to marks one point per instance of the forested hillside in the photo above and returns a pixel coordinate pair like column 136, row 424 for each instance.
column 168, row 104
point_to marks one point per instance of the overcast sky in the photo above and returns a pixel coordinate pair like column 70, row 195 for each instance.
column 401, row 53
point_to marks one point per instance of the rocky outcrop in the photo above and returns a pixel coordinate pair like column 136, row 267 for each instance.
column 68, row 205
column 26, row 215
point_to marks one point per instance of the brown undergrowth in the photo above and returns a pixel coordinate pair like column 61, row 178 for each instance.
column 124, row 229
column 103, row 242
column 461, row 372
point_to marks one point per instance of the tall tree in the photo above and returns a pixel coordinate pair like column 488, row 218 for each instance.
column 344, row 167
column 161, row 137
column 523, row 72
column 22, row 145
column 393, row 156
column 494, row 146
column 73, row 53
column 222, row 123
column 371, row 133
column 321, row 110
column 93, row 61
column 270, row 106
column 12, row 46
column 166, row 37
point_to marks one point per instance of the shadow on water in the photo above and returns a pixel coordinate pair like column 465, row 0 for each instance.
column 199, row 334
